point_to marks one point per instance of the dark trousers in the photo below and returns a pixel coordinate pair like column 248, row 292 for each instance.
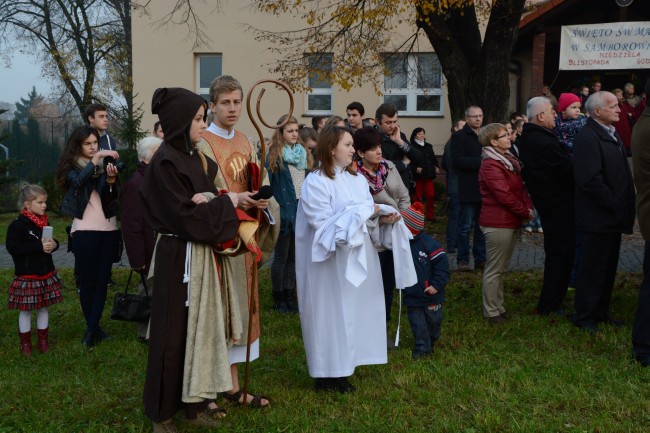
column 94, row 252
column 559, row 248
column 283, row 268
column 596, row 275
column 470, row 214
column 453, row 215
column 641, row 330
column 388, row 278
column 425, row 324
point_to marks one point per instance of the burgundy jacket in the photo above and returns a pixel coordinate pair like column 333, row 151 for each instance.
column 504, row 199
column 139, row 238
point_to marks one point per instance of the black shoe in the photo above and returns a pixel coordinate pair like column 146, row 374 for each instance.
column 89, row 340
column 343, row 385
column 325, row 384
column 589, row 326
column 102, row 336
column 281, row 307
column 558, row 312
column 645, row 362
column 613, row 322
column 280, row 303
column 290, row 299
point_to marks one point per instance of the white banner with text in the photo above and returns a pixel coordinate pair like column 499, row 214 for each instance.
column 605, row 46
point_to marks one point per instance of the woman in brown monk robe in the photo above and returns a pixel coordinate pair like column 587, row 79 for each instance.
column 174, row 208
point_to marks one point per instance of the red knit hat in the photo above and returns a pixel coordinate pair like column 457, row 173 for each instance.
column 565, row 100
column 414, row 217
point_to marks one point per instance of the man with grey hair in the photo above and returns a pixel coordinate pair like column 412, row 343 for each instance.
column 466, row 157
column 604, row 207
column 548, row 174
column 139, row 238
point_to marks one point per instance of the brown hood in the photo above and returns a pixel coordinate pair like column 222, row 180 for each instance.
column 176, row 108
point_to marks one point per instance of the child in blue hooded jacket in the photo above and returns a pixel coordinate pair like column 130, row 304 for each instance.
column 424, row 300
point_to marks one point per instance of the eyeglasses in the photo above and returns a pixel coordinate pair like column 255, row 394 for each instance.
column 552, row 112
column 502, row 136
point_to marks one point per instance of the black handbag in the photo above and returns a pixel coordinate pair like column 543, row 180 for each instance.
column 131, row 307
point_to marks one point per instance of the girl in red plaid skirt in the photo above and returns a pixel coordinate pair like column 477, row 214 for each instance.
column 36, row 284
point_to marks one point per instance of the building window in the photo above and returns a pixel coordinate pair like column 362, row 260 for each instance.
column 414, row 84
column 319, row 99
column 208, row 67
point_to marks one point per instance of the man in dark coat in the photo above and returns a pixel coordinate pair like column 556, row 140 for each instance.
column 604, row 206
column 641, row 165
column 548, row 174
column 466, row 157
column 177, row 174
column 139, row 239
column 395, row 147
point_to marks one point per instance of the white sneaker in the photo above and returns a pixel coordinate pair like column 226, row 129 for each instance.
column 528, row 229
column 540, row 230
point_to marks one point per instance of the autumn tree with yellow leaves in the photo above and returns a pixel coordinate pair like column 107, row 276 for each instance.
column 360, row 35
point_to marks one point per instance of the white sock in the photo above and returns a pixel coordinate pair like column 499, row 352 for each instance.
column 42, row 318
column 25, row 321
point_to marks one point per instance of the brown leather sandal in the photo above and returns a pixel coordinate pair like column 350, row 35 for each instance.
column 255, row 403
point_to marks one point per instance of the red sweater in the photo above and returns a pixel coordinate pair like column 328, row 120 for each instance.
column 504, row 199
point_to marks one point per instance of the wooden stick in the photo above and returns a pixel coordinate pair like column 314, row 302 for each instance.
column 252, row 298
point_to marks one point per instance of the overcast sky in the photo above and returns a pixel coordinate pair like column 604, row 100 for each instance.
column 17, row 82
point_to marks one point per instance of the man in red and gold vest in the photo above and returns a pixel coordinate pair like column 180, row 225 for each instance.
column 233, row 152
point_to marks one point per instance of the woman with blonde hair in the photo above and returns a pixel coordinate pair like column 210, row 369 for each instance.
column 287, row 164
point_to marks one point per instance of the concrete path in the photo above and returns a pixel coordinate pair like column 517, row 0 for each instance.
column 528, row 254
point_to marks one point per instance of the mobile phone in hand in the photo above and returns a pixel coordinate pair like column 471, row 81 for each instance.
column 47, row 233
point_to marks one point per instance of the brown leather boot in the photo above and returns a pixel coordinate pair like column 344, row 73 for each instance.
column 43, row 342
column 25, row 343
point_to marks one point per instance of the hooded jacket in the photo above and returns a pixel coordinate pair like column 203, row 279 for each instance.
column 193, row 174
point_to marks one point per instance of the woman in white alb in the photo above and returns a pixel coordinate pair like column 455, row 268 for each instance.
column 340, row 291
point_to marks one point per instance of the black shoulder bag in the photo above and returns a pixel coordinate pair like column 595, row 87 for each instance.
column 131, row 307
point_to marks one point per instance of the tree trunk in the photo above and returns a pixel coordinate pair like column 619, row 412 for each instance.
column 476, row 74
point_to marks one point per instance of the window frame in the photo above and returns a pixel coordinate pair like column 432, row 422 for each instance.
column 319, row 91
column 197, row 66
column 412, row 91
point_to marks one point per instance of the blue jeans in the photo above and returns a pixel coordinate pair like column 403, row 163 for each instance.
column 425, row 324
column 470, row 214
column 453, row 214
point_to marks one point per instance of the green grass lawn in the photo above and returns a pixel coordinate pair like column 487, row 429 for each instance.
column 58, row 222
column 531, row 375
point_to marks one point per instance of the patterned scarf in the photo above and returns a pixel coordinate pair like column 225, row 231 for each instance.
column 376, row 177
column 296, row 156
column 507, row 159
column 40, row 221
column 81, row 163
